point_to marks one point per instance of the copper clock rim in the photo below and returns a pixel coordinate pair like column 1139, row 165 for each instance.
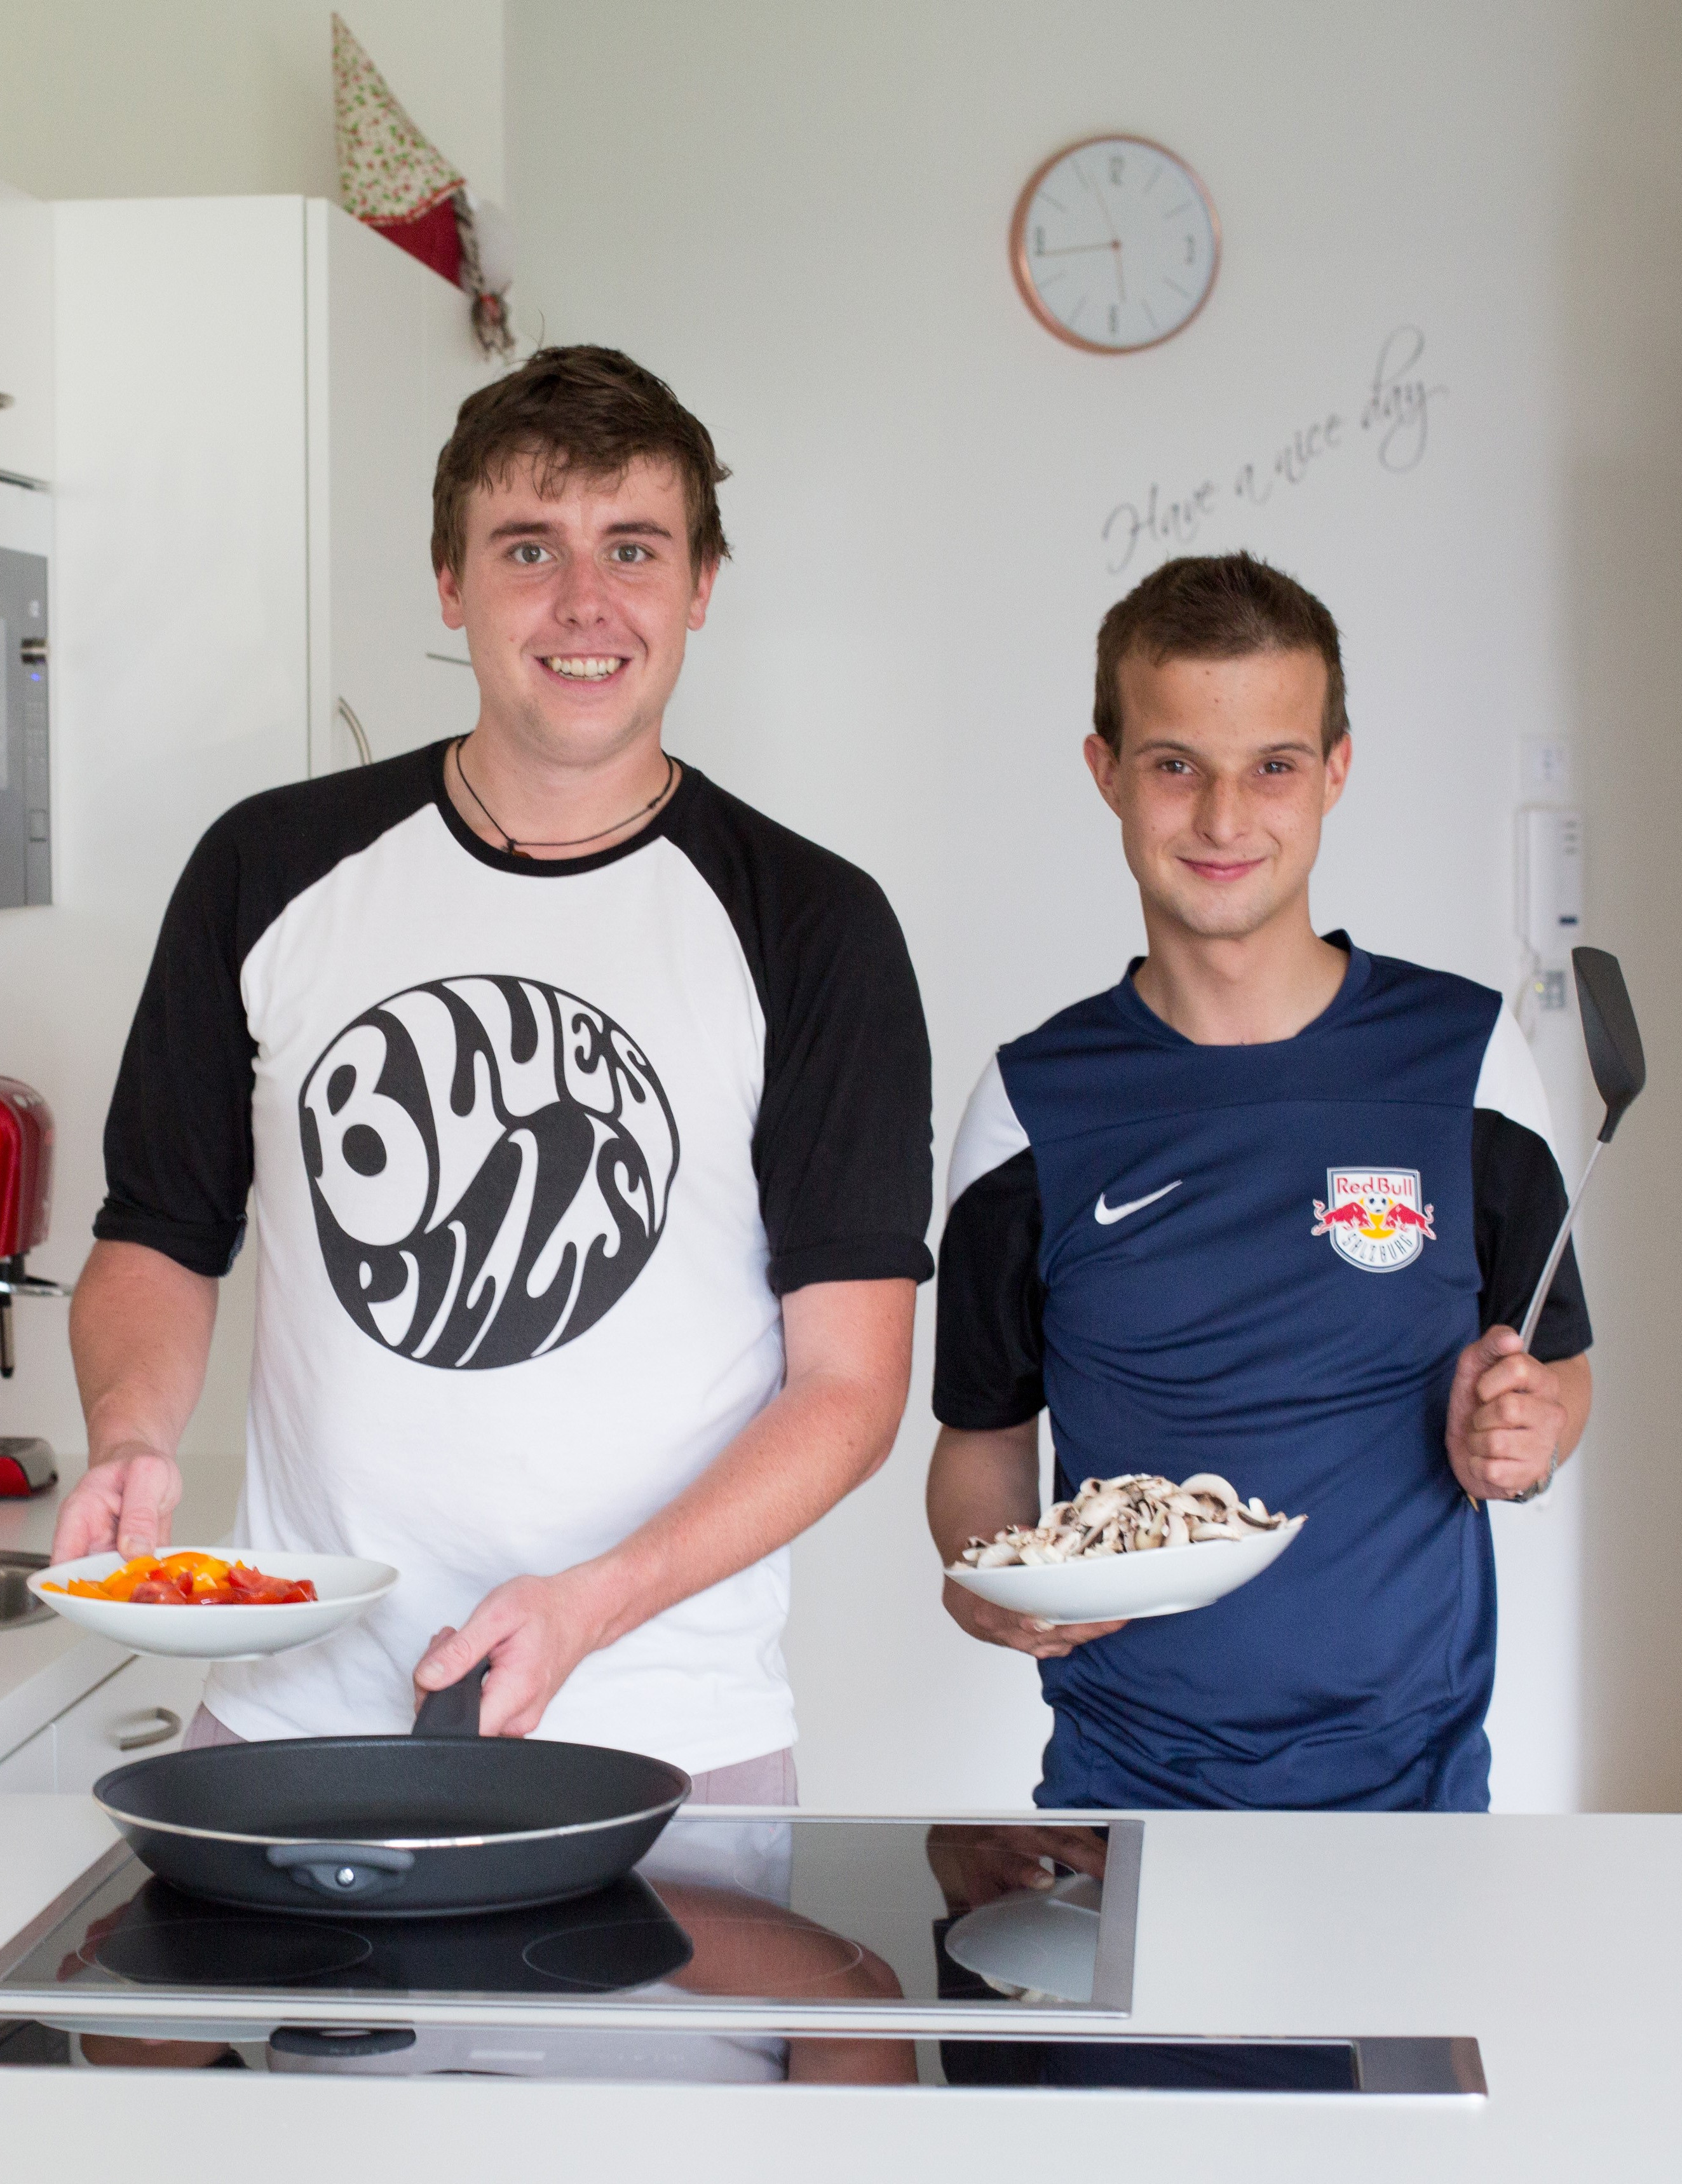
column 1024, row 280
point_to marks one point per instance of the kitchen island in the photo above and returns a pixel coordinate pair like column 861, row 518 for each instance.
column 1550, row 1942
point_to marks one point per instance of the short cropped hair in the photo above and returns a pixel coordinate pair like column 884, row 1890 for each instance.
column 1216, row 606
column 583, row 409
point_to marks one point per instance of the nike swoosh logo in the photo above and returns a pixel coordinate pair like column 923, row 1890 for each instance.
column 1106, row 1214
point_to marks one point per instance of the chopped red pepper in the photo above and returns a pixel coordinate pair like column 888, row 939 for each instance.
column 193, row 1578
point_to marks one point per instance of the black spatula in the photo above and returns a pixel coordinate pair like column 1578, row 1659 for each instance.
column 1620, row 1069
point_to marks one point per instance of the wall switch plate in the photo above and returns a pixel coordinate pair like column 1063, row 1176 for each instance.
column 1550, row 886
column 1545, row 770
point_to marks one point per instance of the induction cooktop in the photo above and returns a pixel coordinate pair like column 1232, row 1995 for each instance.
column 995, row 1951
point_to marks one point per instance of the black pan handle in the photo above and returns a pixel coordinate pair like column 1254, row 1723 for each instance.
column 454, row 1710
column 342, row 1869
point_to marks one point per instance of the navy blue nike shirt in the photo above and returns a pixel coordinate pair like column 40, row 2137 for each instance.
column 1265, row 1260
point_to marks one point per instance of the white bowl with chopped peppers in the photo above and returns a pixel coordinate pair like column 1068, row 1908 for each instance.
column 211, row 1604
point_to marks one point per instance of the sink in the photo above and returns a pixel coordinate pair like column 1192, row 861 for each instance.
column 18, row 1604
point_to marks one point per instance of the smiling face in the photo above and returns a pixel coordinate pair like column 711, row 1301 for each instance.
column 576, row 606
column 1220, row 787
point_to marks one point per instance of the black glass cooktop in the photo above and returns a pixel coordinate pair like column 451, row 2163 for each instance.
column 842, row 1914
column 742, row 1948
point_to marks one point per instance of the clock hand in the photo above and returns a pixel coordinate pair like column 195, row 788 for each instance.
column 1070, row 249
column 1097, row 199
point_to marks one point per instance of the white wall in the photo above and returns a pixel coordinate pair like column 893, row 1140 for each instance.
column 1616, row 481
column 120, row 98
column 798, row 216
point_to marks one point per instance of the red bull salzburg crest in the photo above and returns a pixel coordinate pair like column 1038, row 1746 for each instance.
column 1373, row 1216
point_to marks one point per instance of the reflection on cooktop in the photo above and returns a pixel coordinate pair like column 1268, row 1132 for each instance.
column 601, row 1956
column 619, row 1938
column 156, row 1951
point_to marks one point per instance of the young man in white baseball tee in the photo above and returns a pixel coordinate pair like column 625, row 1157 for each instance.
column 586, row 1115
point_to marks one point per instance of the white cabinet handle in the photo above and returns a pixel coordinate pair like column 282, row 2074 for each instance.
column 169, row 1725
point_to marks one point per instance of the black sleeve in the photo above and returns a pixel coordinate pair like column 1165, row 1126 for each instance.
column 1519, row 1201
column 843, row 1147
column 178, row 1147
column 989, row 1308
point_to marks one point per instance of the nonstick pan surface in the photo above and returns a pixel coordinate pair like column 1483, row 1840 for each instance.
column 423, row 1825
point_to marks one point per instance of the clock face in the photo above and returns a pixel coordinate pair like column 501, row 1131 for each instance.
column 1115, row 245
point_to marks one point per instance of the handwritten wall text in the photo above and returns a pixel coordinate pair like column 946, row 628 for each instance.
column 1393, row 423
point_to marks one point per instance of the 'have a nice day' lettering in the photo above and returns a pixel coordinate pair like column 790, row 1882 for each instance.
column 1393, row 422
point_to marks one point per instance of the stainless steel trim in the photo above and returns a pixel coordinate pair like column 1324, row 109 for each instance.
column 1436, row 2068
column 919, row 2020
column 1390, row 2065
column 388, row 1842
column 1118, row 1917
column 20, row 1609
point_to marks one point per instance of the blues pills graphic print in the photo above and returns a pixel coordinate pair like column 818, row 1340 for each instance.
column 491, row 1160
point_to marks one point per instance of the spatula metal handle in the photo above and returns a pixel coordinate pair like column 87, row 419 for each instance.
column 1539, row 1295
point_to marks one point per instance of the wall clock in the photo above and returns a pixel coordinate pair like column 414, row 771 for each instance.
column 1115, row 245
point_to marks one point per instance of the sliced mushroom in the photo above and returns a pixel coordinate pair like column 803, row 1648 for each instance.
column 1131, row 1513
column 1211, row 1482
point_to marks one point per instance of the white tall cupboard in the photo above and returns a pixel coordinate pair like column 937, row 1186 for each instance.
column 26, row 336
column 248, row 399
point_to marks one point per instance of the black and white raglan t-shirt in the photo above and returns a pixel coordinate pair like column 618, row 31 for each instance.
column 537, row 1147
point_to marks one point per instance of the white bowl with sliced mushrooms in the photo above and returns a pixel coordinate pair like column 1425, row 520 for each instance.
column 1133, row 1545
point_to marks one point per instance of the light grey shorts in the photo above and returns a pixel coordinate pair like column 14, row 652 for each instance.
column 767, row 1780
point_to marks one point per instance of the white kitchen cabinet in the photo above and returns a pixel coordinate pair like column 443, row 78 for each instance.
column 26, row 335
column 144, row 1709
column 392, row 357
column 250, row 393
column 253, row 392
column 30, row 1767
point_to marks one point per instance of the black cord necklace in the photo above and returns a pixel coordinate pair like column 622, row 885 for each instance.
column 513, row 848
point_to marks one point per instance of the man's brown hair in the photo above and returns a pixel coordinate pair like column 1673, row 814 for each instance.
column 592, row 410
column 1216, row 606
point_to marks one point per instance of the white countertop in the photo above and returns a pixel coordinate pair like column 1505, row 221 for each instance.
column 45, row 1666
column 1554, row 1941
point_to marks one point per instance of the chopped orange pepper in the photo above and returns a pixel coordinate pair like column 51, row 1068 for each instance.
column 188, row 1578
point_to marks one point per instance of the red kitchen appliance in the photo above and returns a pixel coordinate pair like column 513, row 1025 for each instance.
column 26, row 1463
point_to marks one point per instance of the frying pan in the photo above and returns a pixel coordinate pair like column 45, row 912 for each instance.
column 440, row 1822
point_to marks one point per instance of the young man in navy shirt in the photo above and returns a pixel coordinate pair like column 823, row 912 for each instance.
column 1271, row 1207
